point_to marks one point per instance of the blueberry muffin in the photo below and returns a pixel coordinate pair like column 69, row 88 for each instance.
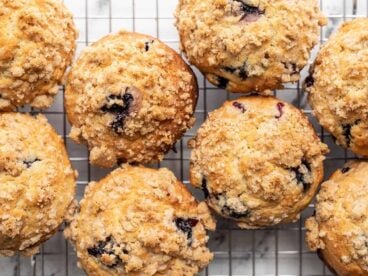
column 339, row 231
column 249, row 45
column 37, row 183
column 150, row 225
column 37, row 44
column 130, row 98
column 258, row 161
column 338, row 86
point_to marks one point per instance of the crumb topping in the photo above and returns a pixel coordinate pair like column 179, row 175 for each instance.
column 249, row 45
column 37, row 182
column 339, row 228
column 337, row 86
column 130, row 97
column 141, row 222
column 37, row 44
column 259, row 167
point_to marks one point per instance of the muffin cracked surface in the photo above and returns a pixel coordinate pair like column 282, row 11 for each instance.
column 338, row 87
column 249, row 45
column 37, row 183
column 140, row 221
column 258, row 161
column 37, row 44
column 130, row 98
column 339, row 230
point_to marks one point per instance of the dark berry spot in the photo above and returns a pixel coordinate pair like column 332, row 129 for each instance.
column 118, row 105
column 222, row 82
column 301, row 172
column 239, row 106
column 29, row 163
column 345, row 170
column 250, row 13
column 147, row 45
column 309, row 81
column 106, row 247
column 205, row 190
column 346, row 131
column 280, row 107
column 241, row 71
column 292, row 66
column 186, row 225
column 230, row 212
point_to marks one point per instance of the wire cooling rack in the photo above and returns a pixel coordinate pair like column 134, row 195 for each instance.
column 276, row 251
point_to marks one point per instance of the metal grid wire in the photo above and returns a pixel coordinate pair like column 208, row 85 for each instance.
column 275, row 251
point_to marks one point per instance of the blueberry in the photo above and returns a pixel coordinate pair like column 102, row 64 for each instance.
column 345, row 170
column 239, row 106
column 28, row 163
column 294, row 67
column 186, row 225
column 205, row 190
column 228, row 211
column 147, row 45
column 280, row 107
column 106, row 247
column 240, row 71
column 300, row 174
column 249, row 11
column 120, row 110
column 222, row 82
column 309, row 81
column 346, row 131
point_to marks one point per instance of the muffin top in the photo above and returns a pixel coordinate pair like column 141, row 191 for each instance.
column 338, row 87
column 258, row 161
column 339, row 229
column 130, row 98
column 37, row 44
column 249, row 45
column 140, row 221
column 37, row 182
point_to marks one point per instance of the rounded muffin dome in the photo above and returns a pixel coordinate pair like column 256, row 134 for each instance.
column 130, row 98
column 37, row 44
column 338, row 86
column 249, row 46
column 338, row 230
column 140, row 221
column 258, row 161
column 37, row 183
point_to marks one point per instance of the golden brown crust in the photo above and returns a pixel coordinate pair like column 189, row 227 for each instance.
column 37, row 182
column 128, row 225
column 338, row 231
column 249, row 51
column 37, row 44
column 338, row 87
column 258, row 160
column 163, row 97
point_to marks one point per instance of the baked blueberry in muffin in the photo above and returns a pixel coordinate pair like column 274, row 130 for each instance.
column 129, row 97
column 249, row 46
column 258, row 161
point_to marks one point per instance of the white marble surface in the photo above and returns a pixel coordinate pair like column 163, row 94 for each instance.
column 262, row 252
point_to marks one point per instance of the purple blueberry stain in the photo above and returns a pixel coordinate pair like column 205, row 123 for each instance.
column 345, row 170
column 118, row 105
column 280, row 107
column 250, row 13
column 239, row 106
column 222, row 82
column 309, row 81
column 29, row 162
column 241, row 71
column 186, row 226
column 301, row 174
column 106, row 247
column 230, row 212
